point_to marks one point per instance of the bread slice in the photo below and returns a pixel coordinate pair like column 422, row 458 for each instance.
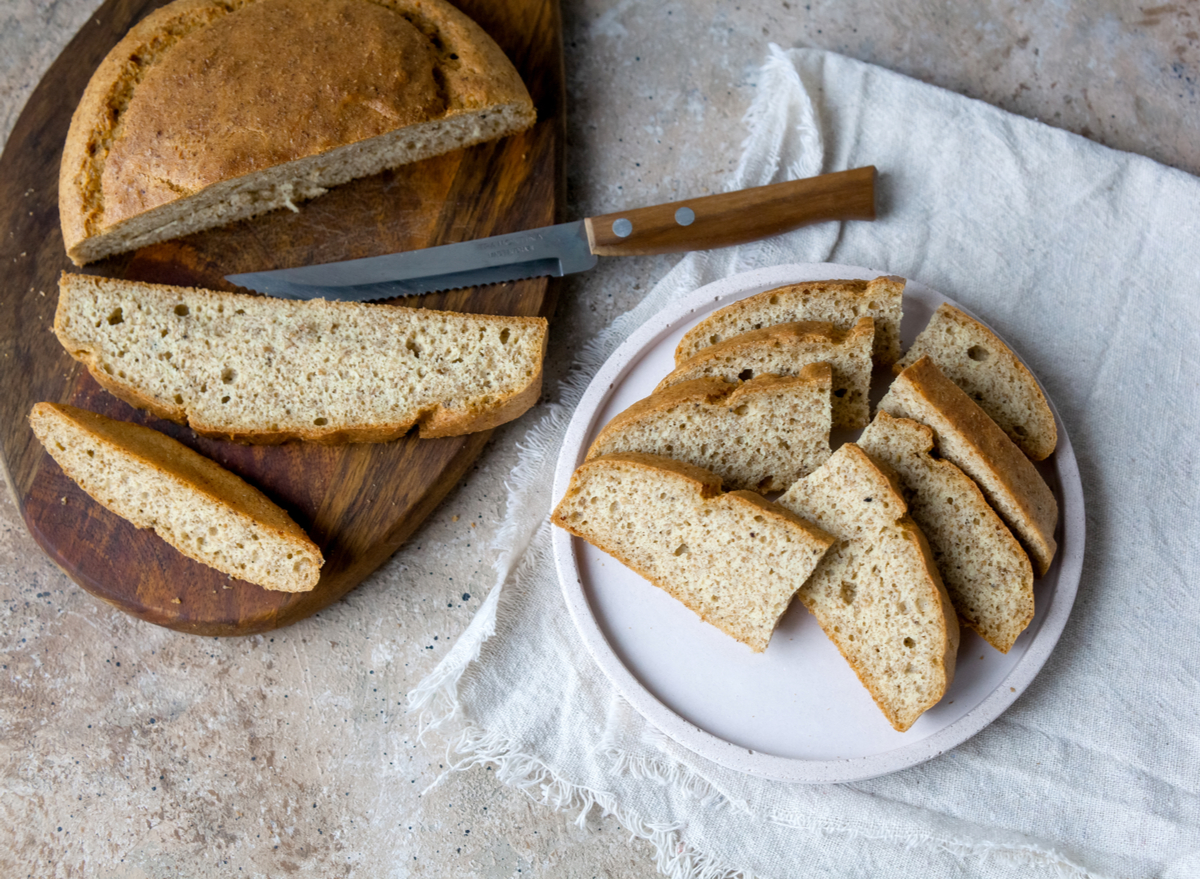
column 984, row 569
column 785, row 349
column 735, row 559
column 197, row 506
column 762, row 435
column 264, row 370
column 974, row 358
column 841, row 302
column 969, row 439
column 211, row 111
column 877, row 593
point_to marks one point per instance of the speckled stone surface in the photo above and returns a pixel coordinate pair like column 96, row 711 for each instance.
column 130, row 751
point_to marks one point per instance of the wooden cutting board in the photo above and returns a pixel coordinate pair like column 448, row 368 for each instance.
column 358, row 502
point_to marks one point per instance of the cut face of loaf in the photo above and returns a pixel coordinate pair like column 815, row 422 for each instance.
column 734, row 559
column 264, row 370
column 970, row 440
column 212, row 111
column 984, row 569
column 841, row 303
column 762, row 435
column 785, row 350
column 200, row 508
column 974, row 358
column 877, row 593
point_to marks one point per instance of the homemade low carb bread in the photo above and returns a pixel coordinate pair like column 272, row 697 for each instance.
column 974, row 358
column 785, row 349
column 734, row 559
column 877, row 593
column 761, row 435
column 984, row 569
column 840, row 302
column 969, row 439
column 211, row 111
column 264, row 370
column 197, row 506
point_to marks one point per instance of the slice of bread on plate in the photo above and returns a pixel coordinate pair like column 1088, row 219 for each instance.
column 984, row 569
column 760, row 435
column 970, row 440
column 877, row 593
column 211, row 111
column 264, row 370
column 734, row 559
column 785, row 349
column 197, row 506
column 840, row 302
column 974, row 358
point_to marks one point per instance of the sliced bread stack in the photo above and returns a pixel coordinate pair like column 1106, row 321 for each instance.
column 841, row 303
column 264, row 370
column 785, row 349
column 876, row 592
column 760, row 435
column 734, row 559
column 984, row 569
column 974, row 358
column 197, row 506
column 967, row 437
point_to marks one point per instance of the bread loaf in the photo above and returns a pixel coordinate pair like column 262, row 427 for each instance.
column 762, row 435
column 197, row 506
column 734, row 559
column 984, row 569
column 876, row 592
column 842, row 303
column 974, row 358
column 970, row 440
column 785, row 349
column 264, row 370
column 211, row 111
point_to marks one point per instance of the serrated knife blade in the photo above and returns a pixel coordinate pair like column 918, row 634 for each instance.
column 695, row 224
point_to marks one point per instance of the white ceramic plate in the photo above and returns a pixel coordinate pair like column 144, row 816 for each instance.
column 795, row 712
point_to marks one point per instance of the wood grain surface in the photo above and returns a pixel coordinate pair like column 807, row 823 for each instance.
column 358, row 502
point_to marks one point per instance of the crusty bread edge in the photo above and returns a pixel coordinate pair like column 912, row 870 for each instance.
column 218, row 474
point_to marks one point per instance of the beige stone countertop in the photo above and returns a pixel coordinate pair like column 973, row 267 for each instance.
column 131, row 751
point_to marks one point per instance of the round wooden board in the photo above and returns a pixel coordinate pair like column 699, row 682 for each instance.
column 358, row 502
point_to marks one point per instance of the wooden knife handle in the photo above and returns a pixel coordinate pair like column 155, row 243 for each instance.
column 735, row 217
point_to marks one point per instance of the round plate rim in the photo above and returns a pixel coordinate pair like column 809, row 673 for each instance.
column 710, row 746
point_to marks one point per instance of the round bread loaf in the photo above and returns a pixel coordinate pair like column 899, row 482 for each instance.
column 211, row 111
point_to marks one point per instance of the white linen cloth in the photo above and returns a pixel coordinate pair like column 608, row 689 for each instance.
column 1088, row 260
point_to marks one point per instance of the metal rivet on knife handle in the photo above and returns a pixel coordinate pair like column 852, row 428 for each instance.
column 685, row 216
column 736, row 217
column 622, row 228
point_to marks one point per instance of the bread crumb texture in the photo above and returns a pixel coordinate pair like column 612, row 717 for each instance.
column 211, row 111
column 987, row 370
column 785, row 350
column 201, row 509
column 762, row 435
column 987, row 574
column 968, row 438
column 841, row 303
column 877, row 593
column 734, row 559
column 260, row 369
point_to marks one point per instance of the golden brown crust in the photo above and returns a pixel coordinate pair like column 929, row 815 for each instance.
column 469, row 73
column 1030, row 509
column 200, row 475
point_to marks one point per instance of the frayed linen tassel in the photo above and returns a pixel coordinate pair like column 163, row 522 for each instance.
column 673, row 857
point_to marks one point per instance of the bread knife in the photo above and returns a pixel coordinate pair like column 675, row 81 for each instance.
column 693, row 224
